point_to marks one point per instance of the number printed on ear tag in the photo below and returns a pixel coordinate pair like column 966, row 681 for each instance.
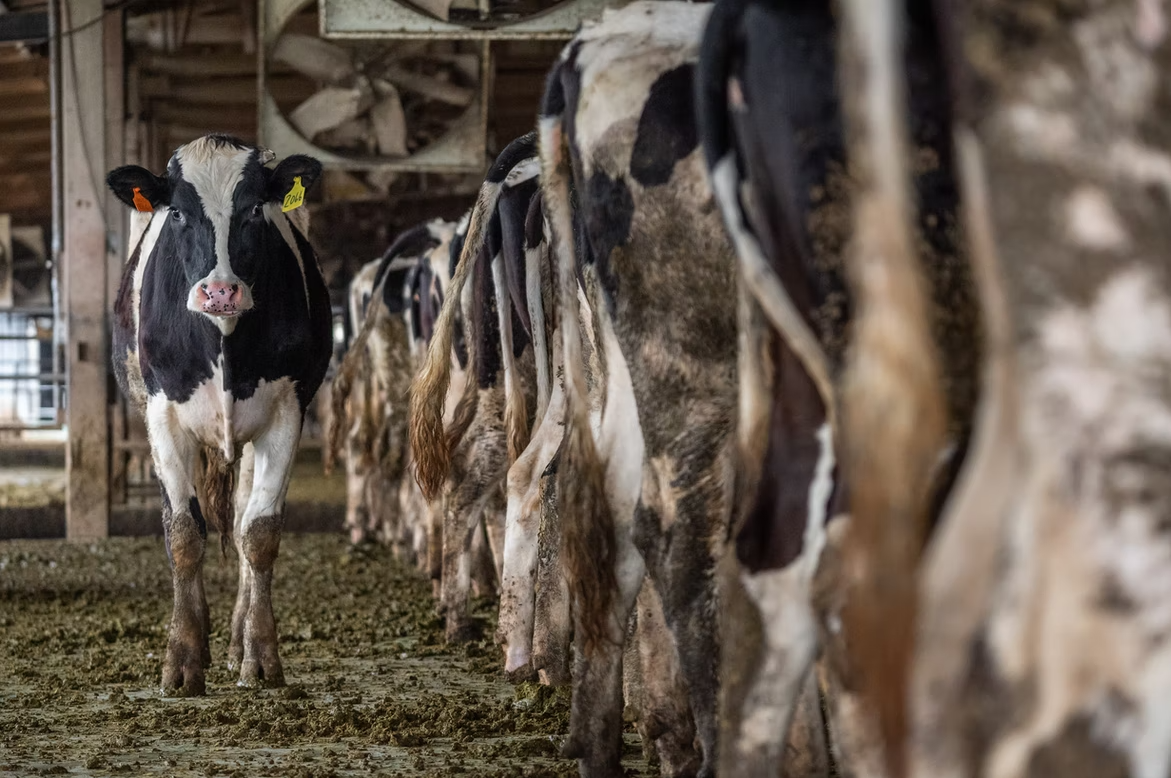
column 141, row 203
column 296, row 196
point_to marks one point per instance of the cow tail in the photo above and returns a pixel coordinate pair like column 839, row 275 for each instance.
column 535, row 245
column 760, row 280
column 893, row 403
column 219, row 486
column 588, row 539
column 428, row 394
column 516, row 423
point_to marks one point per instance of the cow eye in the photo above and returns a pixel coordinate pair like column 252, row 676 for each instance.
column 257, row 210
column 177, row 216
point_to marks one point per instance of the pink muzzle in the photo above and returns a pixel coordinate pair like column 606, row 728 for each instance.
column 219, row 298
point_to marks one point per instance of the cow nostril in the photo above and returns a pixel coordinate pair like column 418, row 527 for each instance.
column 235, row 288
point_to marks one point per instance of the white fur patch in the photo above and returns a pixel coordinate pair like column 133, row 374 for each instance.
column 1092, row 222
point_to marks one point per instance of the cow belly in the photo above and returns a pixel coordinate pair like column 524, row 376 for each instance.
column 214, row 418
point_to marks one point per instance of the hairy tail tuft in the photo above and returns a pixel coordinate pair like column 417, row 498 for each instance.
column 429, row 443
column 219, row 486
column 588, row 539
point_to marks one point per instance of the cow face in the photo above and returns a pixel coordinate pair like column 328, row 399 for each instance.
column 223, row 217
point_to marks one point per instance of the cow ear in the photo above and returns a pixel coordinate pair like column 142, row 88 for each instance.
column 139, row 188
column 283, row 181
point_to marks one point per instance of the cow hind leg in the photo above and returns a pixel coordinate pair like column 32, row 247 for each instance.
column 696, row 496
column 259, row 542
column 665, row 711
column 595, row 719
column 176, row 461
column 552, row 622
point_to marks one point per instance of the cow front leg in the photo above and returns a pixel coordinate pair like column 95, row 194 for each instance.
column 357, row 509
column 259, row 541
column 244, row 587
column 185, row 531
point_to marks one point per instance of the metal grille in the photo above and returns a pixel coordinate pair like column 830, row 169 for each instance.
column 32, row 385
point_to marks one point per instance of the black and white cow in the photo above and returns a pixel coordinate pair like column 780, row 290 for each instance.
column 221, row 339
column 644, row 478
column 854, row 367
column 369, row 392
column 469, row 457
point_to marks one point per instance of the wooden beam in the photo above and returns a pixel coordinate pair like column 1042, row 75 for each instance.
column 200, row 65
column 26, row 85
column 21, row 107
column 33, row 67
column 84, row 271
column 32, row 162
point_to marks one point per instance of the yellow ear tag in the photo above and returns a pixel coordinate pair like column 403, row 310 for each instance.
column 296, row 196
column 141, row 203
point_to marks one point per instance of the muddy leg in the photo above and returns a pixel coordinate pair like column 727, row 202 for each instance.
column 260, row 537
column 595, row 718
column 459, row 518
column 434, row 561
column 357, row 511
column 176, row 459
column 685, row 579
column 528, row 545
column 806, row 749
column 483, row 569
column 244, row 586
column 665, row 712
column 552, row 622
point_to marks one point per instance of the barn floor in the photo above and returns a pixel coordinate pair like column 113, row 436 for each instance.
column 373, row 691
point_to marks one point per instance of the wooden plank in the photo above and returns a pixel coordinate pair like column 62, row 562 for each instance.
column 27, row 85
column 224, row 91
column 226, row 116
column 30, row 162
column 220, row 63
column 36, row 67
column 87, row 458
column 18, row 136
column 21, row 107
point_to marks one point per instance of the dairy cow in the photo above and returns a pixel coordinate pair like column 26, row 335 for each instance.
column 369, row 391
column 868, row 425
column 468, row 458
column 644, row 478
column 221, row 339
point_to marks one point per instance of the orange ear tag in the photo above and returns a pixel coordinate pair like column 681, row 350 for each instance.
column 141, row 203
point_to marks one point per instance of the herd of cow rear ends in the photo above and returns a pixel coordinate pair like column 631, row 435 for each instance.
column 715, row 388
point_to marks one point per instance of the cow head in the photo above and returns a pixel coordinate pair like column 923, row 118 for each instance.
column 223, row 215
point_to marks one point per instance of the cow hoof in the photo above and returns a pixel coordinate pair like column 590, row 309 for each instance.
column 183, row 682
column 571, row 748
column 235, row 656
column 255, row 674
column 521, row 674
column 461, row 630
column 183, row 670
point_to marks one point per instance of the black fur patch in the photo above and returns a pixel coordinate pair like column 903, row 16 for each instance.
column 666, row 128
column 197, row 514
column 485, row 320
column 519, row 150
column 535, row 222
column 513, row 208
column 609, row 212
